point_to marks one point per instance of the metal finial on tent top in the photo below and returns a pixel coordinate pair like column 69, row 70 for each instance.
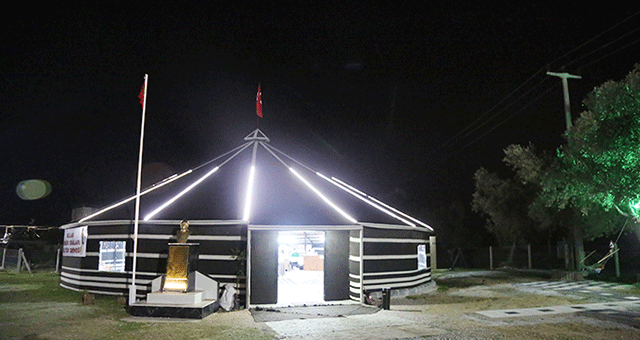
column 257, row 135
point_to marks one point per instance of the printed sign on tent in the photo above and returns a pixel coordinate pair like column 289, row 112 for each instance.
column 75, row 242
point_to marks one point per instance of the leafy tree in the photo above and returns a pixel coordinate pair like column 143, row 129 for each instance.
column 505, row 203
column 594, row 177
column 599, row 166
column 544, row 172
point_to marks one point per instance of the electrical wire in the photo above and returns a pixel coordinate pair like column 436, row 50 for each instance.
column 465, row 132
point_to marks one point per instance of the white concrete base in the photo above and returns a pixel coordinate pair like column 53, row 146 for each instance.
column 175, row 298
column 208, row 286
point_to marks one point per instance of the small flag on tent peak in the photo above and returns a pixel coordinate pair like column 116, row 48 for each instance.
column 259, row 102
column 141, row 96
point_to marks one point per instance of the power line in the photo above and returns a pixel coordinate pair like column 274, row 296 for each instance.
column 491, row 109
column 611, row 53
column 596, row 37
column 495, row 126
column 452, row 141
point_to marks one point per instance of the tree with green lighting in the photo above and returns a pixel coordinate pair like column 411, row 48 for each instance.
column 599, row 166
column 596, row 174
column 545, row 172
column 583, row 190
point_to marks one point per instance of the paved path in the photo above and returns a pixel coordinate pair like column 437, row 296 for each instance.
column 384, row 324
column 618, row 305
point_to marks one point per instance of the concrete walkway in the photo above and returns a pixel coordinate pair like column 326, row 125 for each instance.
column 615, row 295
column 354, row 321
column 383, row 324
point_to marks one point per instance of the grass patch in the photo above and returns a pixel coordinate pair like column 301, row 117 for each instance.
column 36, row 287
column 34, row 306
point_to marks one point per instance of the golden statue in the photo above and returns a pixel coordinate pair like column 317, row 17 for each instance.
column 183, row 234
column 178, row 262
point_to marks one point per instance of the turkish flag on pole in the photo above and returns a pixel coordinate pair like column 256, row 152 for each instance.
column 141, row 96
column 259, row 102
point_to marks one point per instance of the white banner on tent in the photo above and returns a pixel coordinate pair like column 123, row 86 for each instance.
column 75, row 242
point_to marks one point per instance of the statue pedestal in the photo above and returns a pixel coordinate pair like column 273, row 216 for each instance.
column 170, row 298
column 181, row 264
column 183, row 292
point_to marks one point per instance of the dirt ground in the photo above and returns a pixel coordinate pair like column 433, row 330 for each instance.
column 41, row 310
column 451, row 309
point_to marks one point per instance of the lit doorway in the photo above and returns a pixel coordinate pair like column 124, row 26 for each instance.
column 300, row 267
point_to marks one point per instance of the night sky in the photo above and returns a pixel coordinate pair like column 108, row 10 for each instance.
column 404, row 102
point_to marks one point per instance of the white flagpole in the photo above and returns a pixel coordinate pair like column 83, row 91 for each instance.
column 132, row 287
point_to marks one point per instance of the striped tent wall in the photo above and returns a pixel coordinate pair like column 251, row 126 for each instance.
column 217, row 242
column 387, row 256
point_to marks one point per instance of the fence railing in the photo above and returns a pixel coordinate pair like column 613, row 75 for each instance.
column 21, row 259
column 522, row 257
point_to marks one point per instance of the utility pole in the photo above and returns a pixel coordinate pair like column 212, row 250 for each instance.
column 578, row 240
column 565, row 88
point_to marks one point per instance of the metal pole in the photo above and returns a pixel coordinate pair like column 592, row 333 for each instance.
column 529, row 254
column 433, row 252
column 4, row 256
column 617, row 260
column 132, row 288
column 361, row 263
column 565, row 89
column 491, row 257
column 19, row 260
column 566, row 255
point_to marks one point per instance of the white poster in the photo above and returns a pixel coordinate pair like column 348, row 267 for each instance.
column 422, row 256
column 112, row 256
column 75, row 242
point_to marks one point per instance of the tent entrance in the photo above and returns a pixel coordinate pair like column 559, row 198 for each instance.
column 300, row 267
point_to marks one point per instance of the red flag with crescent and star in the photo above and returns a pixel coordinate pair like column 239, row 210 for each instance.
column 259, row 102
column 141, row 96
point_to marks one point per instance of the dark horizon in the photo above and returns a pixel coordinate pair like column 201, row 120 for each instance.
column 377, row 94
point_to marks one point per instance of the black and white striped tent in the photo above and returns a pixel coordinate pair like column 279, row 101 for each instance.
column 236, row 204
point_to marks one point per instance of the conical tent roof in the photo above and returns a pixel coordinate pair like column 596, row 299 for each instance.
column 258, row 184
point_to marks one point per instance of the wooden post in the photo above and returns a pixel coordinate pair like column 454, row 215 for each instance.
column 4, row 256
column 617, row 260
column 58, row 260
column 25, row 262
column 529, row 254
column 19, row 266
column 432, row 252
column 491, row 257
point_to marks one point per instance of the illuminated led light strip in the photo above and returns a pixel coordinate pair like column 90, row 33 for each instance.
column 163, row 182
column 385, row 205
column 269, row 147
column 153, row 213
column 401, row 213
column 363, row 197
column 153, row 187
column 324, row 198
column 350, row 187
column 243, row 146
column 252, row 172
column 247, row 202
column 266, row 147
column 335, row 207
